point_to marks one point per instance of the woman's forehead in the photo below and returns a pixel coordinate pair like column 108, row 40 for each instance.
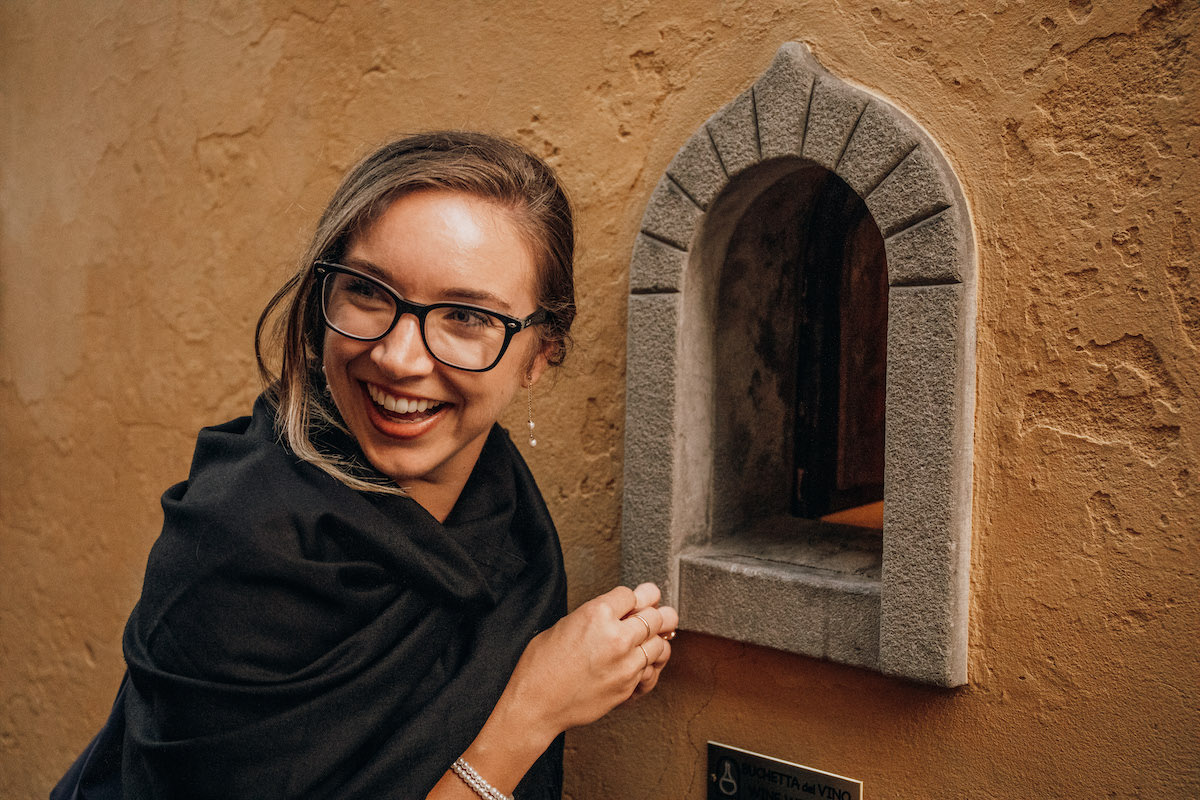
column 448, row 243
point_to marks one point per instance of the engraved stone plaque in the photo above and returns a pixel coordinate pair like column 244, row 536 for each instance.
column 735, row 774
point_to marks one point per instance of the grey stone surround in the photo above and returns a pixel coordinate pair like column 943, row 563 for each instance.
column 900, row 605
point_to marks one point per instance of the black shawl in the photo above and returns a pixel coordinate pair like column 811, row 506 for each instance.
column 297, row 638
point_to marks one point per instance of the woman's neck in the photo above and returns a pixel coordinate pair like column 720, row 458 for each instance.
column 438, row 491
column 436, row 498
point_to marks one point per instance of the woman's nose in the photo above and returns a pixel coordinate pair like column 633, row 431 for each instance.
column 402, row 353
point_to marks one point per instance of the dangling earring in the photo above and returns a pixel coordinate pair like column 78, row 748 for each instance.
column 532, row 441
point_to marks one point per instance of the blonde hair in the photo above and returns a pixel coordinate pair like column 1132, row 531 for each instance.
column 479, row 164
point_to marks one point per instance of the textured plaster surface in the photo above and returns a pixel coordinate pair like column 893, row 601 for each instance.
column 159, row 166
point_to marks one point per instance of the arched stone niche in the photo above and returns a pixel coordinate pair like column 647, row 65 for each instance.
column 895, row 602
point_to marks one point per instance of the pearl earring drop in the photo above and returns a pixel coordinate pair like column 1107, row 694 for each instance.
column 532, row 440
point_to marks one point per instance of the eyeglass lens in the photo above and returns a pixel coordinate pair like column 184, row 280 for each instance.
column 457, row 335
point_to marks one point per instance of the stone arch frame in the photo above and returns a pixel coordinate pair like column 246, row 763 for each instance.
column 902, row 611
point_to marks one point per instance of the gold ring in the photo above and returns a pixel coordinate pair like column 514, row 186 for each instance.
column 642, row 620
column 668, row 636
column 647, row 655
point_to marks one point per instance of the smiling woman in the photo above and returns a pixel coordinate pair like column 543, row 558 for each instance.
column 358, row 591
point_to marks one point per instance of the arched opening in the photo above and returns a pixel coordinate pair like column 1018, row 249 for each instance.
column 800, row 349
column 841, row 362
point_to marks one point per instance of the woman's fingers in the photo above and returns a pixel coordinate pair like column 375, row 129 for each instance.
column 637, row 617
column 621, row 600
column 645, row 662
column 643, row 625
column 664, row 654
column 647, row 595
column 653, row 649
column 639, row 609
column 650, row 656
column 670, row 620
column 654, row 622
column 650, row 674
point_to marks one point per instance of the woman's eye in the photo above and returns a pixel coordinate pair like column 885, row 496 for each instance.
column 363, row 289
column 468, row 317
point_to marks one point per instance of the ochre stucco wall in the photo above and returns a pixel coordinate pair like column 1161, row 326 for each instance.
column 161, row 164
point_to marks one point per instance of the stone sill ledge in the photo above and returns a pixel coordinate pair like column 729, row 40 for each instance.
column 795, row 585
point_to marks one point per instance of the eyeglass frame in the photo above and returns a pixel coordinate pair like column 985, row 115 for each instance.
column 512, row 325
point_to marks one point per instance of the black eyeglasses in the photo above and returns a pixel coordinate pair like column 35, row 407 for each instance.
column 462, row 336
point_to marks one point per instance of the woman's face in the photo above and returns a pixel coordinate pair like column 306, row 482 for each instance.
column 433, row 246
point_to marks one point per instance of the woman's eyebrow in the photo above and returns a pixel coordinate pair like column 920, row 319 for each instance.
column 362, row 265
column 479, row 297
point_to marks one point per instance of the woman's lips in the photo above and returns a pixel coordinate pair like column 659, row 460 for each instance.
column 401, row 417
column 400, row 404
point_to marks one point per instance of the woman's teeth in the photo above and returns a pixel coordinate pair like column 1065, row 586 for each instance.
column 400, row 405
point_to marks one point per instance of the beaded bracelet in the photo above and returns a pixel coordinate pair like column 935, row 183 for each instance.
column 474, row 780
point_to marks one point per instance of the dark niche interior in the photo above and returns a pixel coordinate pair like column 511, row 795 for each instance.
column 800, row 355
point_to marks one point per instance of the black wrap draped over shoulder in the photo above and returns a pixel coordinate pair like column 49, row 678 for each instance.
column 296, row 638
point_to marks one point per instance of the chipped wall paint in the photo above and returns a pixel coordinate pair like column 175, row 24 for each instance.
column 160, row 164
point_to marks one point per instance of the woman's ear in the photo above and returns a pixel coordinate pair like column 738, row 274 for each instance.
column 537, row 365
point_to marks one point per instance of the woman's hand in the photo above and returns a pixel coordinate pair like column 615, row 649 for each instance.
column 597, row 657
column 611, row 648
